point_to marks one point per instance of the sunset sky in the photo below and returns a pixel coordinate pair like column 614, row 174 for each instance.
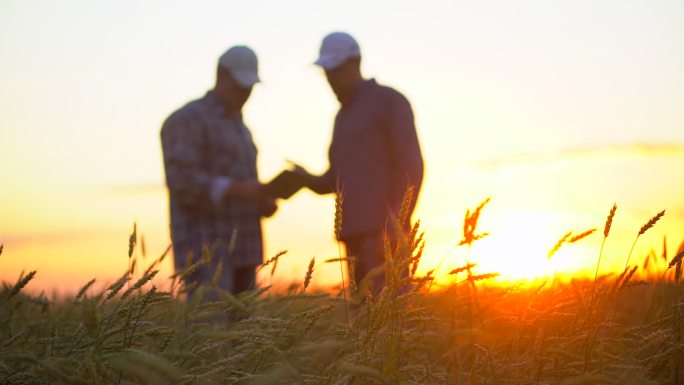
column 554, row 109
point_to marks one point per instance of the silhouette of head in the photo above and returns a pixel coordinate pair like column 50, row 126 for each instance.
column 340, row 58
column 236, row 74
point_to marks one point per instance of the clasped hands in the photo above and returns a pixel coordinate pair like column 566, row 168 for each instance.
column 256, row 191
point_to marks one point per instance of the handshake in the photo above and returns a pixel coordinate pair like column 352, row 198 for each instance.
column 288, row 182
column 283, row 186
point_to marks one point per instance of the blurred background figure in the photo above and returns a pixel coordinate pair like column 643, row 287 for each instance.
column 374, row 156
column 216, row 200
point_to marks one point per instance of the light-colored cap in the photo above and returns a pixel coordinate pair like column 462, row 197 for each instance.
column 337, row 48
column 242, row 63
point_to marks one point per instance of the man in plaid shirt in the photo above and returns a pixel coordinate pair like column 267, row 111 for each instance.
column 215, row 198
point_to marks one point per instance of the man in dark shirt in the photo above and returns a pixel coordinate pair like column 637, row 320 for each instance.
column 216, row 200
column 374, row 155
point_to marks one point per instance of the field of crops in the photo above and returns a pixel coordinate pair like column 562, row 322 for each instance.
column 614, row 329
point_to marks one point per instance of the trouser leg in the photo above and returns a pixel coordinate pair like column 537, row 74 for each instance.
column 185, row 254
column 217, row 269
column 229, row 278
column 365, row 253
column 244, row 279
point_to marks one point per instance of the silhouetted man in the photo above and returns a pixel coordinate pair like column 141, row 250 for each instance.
column 374, row 155
column 215, row 198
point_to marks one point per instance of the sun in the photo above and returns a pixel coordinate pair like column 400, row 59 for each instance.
column 517, row 248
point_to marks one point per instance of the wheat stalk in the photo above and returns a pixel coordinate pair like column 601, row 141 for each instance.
column 83, row 289
column 643, row 229
column 339, row 197
column 558, row 244
column 606, row 232
column 309, row 273
column 581, row 235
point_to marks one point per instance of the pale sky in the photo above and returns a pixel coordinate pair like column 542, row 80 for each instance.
column 554, row 109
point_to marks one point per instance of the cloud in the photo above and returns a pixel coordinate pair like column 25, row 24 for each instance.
column 631, row 149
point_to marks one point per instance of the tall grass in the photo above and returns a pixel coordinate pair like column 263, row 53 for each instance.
column 609, row 330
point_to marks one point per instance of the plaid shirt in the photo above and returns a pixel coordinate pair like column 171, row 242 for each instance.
column 202, row 143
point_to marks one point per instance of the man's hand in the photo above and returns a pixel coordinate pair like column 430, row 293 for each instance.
column 247, row 189
column 315, row 183
column 301, row 171
column 268, row 207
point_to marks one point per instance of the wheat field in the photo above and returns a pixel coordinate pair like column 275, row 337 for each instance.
column 612, row 329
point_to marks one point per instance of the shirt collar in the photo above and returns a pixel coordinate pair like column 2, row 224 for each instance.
column 215, row 105
column 359, row 89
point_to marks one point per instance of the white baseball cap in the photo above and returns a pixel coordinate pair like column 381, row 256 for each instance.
column 337, row 48
column 242, row 63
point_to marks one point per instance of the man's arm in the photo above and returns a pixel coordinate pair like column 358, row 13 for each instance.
column 183, row 147
column 405, row 148
column 320, row 184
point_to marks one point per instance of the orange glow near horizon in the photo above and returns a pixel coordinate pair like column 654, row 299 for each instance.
column 517, row 248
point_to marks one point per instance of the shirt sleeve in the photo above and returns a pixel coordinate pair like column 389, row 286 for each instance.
column 405, row 148
column 188, row 181
column 323, row 184
column 219, row 187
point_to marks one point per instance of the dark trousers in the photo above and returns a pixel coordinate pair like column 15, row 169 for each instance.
column 366, row 259
column 244, row 279
column 235, row 279
column 364, row 254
